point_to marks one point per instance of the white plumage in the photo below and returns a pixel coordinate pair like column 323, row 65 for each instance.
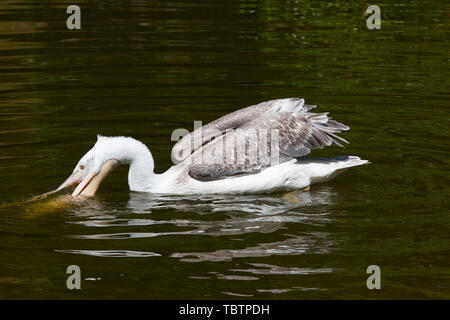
column 299, row 131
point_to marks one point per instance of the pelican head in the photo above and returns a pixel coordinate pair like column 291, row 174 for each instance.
column 92, row 168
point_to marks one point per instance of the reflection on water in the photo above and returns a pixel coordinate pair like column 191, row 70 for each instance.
column 262, row 213
column 316, row 242
column 251, row 204
column 234, row 220
column 113, row 253
column 243, row 214
column 262, row 268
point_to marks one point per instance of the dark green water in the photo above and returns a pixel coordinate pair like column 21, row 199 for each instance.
column 145, row 68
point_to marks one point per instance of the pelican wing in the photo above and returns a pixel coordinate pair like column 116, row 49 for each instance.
column 199, row 137
column 267, row 140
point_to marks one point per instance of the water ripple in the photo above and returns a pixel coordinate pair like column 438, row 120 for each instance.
column 272, row 269
column 315, row 242
column 113, row 253
column 131, row 235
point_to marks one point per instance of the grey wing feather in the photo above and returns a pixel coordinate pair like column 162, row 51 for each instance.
column 296, row 133
column 199, row 137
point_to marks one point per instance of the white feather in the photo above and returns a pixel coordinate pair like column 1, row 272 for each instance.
column 294, row 174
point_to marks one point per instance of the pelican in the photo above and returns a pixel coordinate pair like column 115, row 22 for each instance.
column 260, row 148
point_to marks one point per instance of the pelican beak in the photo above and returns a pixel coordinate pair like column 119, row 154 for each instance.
column 88, row 184
column 83, row 184
column 74, row 179
column 94, row 183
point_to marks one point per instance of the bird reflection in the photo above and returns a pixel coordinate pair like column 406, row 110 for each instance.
column 218, row 216
column 269, row 204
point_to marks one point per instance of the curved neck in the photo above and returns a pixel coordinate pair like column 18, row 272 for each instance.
column 137, row 155
column 141, row 175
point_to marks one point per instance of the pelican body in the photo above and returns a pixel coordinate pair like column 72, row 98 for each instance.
column 260, row 148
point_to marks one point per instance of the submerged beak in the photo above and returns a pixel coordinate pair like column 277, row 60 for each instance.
column 90, row 183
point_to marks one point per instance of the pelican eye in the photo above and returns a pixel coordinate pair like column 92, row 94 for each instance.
column 82, row 167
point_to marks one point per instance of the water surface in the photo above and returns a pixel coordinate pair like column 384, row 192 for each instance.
column 145, row 68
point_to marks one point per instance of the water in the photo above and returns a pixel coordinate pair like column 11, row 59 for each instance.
column 143, row 69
